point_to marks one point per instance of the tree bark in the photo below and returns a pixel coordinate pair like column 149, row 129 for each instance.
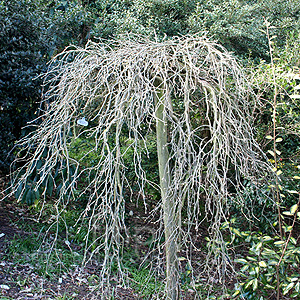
column 169, row 207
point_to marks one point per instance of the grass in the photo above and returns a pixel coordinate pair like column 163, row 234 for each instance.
column 35, row 247
column 144, row 283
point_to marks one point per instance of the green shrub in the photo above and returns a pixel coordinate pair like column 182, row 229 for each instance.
column 238, row 24
column 30, row 33
column 265, row 261
column 21, row 59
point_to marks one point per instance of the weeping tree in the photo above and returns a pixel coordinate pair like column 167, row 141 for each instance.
column 187, row 90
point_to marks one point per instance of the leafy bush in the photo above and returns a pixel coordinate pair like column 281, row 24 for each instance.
column 267, row 263
column 238, row 24
column 66, row 22
column 30, row 33
column 277, row 84
column 21, row 59
column 144, row 17
column 269, row 256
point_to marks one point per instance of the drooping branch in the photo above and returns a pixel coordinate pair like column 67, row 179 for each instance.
column 201, row 108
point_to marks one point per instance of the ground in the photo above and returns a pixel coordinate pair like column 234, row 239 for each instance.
column 22, row 281
column 21, row 278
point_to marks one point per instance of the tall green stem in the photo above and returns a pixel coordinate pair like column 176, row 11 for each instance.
column 275, row 150
column 169, row 205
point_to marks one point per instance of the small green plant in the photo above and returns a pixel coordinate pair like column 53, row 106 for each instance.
column 269, row 261
column 36, row 246
column 146, row 284
column 64, row 297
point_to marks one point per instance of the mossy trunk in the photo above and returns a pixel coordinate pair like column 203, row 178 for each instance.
column 169, row 207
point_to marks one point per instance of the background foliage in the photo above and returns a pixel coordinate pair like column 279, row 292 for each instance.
column 30, row 33
column 21, row 59
column 33, row 31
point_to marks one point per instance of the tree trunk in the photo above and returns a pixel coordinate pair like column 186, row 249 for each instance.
column 169, row 207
